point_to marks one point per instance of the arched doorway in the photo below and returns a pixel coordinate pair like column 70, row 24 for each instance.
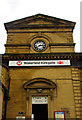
column 38, row 92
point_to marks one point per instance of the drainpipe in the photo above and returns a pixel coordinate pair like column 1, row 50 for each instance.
column 7, row 96
column 6, row 99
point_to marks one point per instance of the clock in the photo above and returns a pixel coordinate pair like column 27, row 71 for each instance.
column 39, row 45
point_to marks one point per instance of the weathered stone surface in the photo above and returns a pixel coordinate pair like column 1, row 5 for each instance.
column 57, row 35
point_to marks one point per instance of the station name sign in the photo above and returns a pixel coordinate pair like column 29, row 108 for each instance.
column 39, row 63
column 40, row 100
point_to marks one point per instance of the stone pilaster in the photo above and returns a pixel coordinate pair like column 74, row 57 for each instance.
column 77, row 91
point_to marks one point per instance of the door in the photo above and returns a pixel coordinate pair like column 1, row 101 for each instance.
column 40, row 108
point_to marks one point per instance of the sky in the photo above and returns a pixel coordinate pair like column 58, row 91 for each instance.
column 11, row 10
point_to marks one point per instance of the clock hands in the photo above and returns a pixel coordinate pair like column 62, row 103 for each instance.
column 39, row 45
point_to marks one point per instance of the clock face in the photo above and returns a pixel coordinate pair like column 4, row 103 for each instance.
column 39, row 45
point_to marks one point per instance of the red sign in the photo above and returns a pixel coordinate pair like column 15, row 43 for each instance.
column 19, row 63
column 60, row 62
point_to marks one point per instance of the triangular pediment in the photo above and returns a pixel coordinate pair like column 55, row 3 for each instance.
column 39, row 20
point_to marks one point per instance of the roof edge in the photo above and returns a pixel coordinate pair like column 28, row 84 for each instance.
column 9, row 24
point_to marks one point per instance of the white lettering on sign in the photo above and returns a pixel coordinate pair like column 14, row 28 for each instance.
column 39, row 63
column 40, row 100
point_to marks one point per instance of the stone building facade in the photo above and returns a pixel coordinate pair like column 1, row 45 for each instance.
column 41, row 70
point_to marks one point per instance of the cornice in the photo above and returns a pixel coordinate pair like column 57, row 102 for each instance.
column 62, row 44
column 42, row 56
column 15, row 45
column 39, row 26
column 51, row 44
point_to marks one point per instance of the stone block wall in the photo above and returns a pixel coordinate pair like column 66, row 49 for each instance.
column 63, row 97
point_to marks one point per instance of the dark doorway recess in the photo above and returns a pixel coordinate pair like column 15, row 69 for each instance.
column 40, row 111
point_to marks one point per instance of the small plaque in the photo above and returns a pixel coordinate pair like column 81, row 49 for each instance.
column 20, row 117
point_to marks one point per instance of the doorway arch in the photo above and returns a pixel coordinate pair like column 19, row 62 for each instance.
column 39, row 87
